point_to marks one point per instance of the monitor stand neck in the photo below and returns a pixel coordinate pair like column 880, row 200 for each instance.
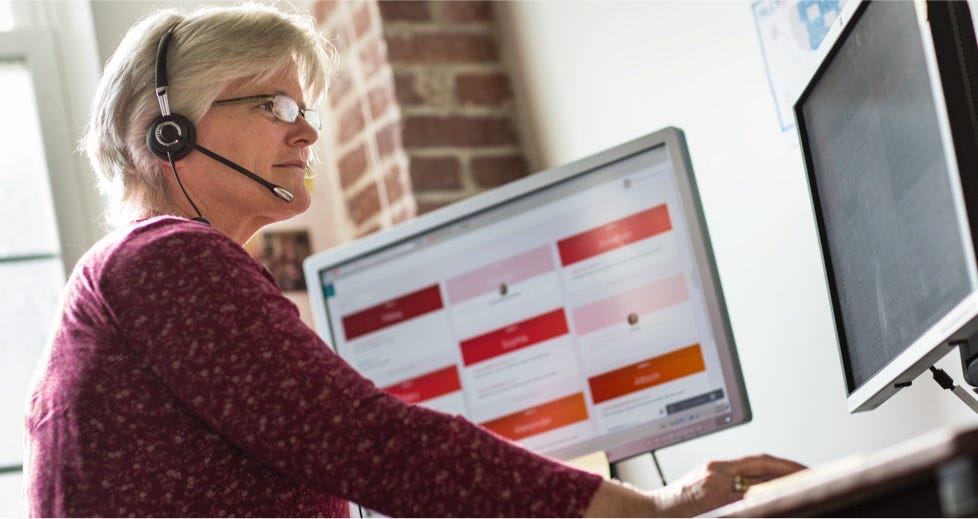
column 969, row 359
column 613, row 469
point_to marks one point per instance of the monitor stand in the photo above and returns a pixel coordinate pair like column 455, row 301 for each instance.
column 613, row 468
column 968, row 350
column 969, row 366
column 969, row 359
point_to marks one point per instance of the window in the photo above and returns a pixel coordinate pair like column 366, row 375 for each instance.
column 44, row 221
column 31, row 271
column 6, row 15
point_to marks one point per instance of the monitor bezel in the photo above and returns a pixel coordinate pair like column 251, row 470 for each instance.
column 959, row 323
column 402, row 235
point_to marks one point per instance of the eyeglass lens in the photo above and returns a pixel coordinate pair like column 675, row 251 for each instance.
column 286, row 109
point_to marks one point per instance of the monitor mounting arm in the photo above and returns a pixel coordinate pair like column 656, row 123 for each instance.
column 969, row 359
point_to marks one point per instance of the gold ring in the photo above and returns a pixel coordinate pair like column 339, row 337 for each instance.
column 741, row 483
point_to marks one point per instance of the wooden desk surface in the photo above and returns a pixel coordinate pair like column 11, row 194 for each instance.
column 851, row 481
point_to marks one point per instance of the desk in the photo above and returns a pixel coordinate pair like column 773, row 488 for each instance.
column 932, row 475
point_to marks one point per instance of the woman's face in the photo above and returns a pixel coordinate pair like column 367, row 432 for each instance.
column 254, row 138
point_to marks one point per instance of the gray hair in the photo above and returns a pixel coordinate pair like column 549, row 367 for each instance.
column 211, row 47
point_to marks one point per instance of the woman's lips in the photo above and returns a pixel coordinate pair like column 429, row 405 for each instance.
column 298, row 165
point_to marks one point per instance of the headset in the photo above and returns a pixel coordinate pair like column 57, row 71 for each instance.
column 172, row 136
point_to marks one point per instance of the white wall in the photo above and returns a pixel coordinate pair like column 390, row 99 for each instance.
column 590, row 75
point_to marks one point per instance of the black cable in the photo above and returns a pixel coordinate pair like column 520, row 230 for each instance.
column 662, row 475
column 946, row 382
column 613, row 469
column 942, row 378
column 173, row 166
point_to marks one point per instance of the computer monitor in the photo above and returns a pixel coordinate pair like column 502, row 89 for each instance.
column 887, row 131
column 573, row 311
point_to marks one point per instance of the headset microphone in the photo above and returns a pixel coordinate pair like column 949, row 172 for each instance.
column 172, row 136
column 276, row 190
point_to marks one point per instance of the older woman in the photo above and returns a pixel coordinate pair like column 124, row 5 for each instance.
column 180, row 382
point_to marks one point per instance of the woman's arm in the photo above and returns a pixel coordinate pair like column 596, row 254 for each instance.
column 223, row 340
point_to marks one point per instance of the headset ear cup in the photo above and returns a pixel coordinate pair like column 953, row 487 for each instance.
column 171, row 136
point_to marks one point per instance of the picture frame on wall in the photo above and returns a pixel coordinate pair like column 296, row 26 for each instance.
column 282, row 253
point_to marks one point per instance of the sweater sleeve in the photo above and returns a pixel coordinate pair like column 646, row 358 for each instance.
column 214, row 327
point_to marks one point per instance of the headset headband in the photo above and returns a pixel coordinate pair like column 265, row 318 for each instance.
column 161, row 78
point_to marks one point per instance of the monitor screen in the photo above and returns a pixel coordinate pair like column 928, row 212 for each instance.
column 887, row 196
column 573, row 311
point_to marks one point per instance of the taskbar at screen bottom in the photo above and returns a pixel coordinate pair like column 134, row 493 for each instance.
column 682, row 423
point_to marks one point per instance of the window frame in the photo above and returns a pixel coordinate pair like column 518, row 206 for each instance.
column 55, row 43
column 36, row 49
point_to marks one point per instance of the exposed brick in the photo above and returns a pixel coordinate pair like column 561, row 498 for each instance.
column 425, row 131
column 428, row 206
column 342, row 36
column 336, row 37
column 464, row 11
column 338, row 89
column 436, row 173
column 435, row 35
column 441, row 48
column 406, row 91
column 363, row 19
column 373, row 57
column 364, row 205
column 404, row 214
column 322, row 10
column 410, row 10
column 389, row 139
column 496, row 171
column 381, row 98
column 352, row 166
column 482, row 89
column 436, row 86
column 351, row 123
column 368, row 230
column 394, row 183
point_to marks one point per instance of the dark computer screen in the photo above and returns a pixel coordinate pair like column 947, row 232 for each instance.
column 885, row 186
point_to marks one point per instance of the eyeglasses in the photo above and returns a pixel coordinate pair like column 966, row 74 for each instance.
column 281, row 105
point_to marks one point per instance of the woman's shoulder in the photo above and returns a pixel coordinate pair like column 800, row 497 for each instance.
column 167, row 242
column 160, row 251
column 164, row 232
column 170, row 229
column 166, row 225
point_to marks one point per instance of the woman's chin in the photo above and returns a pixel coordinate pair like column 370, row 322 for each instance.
column 302, row 200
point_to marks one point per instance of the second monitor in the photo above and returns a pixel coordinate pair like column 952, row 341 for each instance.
column 888, row 126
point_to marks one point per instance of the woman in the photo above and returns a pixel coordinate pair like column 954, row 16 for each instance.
column 180, row 382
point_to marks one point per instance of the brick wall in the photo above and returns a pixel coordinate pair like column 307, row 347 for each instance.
column 422, row 84
column 362, row 126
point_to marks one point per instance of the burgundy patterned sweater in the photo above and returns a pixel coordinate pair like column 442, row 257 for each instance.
column 181, row 382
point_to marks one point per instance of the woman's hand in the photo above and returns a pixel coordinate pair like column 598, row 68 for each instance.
column 718, row 483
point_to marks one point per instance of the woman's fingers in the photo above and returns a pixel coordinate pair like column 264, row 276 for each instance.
column 757, row 466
